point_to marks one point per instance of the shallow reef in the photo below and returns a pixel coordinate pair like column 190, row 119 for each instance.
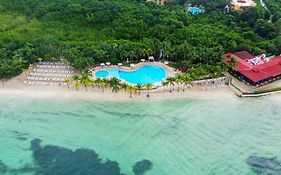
column 264, row 165
column 51, row 160
column 142, row 166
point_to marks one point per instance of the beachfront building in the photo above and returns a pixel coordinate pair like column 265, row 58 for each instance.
column 159, row 2
column 255, row 71
column 242, row 4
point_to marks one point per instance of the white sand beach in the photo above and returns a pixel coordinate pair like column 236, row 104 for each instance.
column 57, row 92
column 16, row 87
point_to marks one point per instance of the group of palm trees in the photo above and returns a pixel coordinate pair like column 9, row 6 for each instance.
column 182, row 81
column 84, row 80
column 115, row 85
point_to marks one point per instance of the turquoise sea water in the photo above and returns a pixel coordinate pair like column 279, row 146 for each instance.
column 179, row 137
column 144, row 75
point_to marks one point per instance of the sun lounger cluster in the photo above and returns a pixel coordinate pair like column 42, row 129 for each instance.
column 211, row 83
column 38, row 83
column 53, row 71
column 49, row 74
column 52, row 63
column 52, row 66
column 44, row 79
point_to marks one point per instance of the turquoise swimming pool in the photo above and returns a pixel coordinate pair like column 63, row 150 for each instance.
column 194, row 10
column 143, row 75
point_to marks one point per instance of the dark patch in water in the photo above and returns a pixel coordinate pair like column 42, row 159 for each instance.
column 71, row 114
column 120, row 114
column 175, row 123
column 129, row 115
column 48, row 113
column 19, row 135
column 3, row 168
column 56, row 160
column 78, row 114
column 21, row 138
column 26, row 169
column 142, row 166
column 263, row 165
column 104, row 108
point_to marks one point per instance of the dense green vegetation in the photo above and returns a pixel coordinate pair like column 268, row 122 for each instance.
column 87, row 32
column 275, row 7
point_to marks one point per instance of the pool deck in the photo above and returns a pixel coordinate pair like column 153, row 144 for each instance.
column 169, row 70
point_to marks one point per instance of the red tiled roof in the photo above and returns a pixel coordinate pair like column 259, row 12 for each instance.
column 243, row 55
column 255, row 72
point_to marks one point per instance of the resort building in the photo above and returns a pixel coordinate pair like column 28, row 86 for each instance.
column 159, row 2
column 255, row 71
column 242, row 4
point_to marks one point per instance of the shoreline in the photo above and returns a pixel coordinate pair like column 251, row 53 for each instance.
column 58, row 93
column 95, row 94
column 15, row 87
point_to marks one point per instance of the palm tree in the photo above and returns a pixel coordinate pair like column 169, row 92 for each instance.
column 75, row 78
column 171, row 82
column 76, row 85
column 98, row 82
column 2, row 81
column 131, row 89
column 92, row 82
column 103, row 84
column 138, row 87
column 232, row 63
column 179, row 80
column 40, row 59
column 85, row 81
column 67, row 81
column 165, row 84
column 187, row 80
column 30, row 67
column 125, row 87
column 148, row 86
column 114, row 83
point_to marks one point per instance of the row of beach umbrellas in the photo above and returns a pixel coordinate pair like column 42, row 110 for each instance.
column 119, row 64
column 131, row 65
column 108, row 64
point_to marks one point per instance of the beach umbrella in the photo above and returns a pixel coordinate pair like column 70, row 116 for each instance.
column 120, row 64
column 151, row 58
column 108, row 63
column 102, row 64
column 142, row 60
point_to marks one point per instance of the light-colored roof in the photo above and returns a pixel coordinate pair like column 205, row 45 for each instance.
column 243, row 3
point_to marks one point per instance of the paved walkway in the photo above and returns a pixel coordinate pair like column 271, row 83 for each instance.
column 266, row 8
